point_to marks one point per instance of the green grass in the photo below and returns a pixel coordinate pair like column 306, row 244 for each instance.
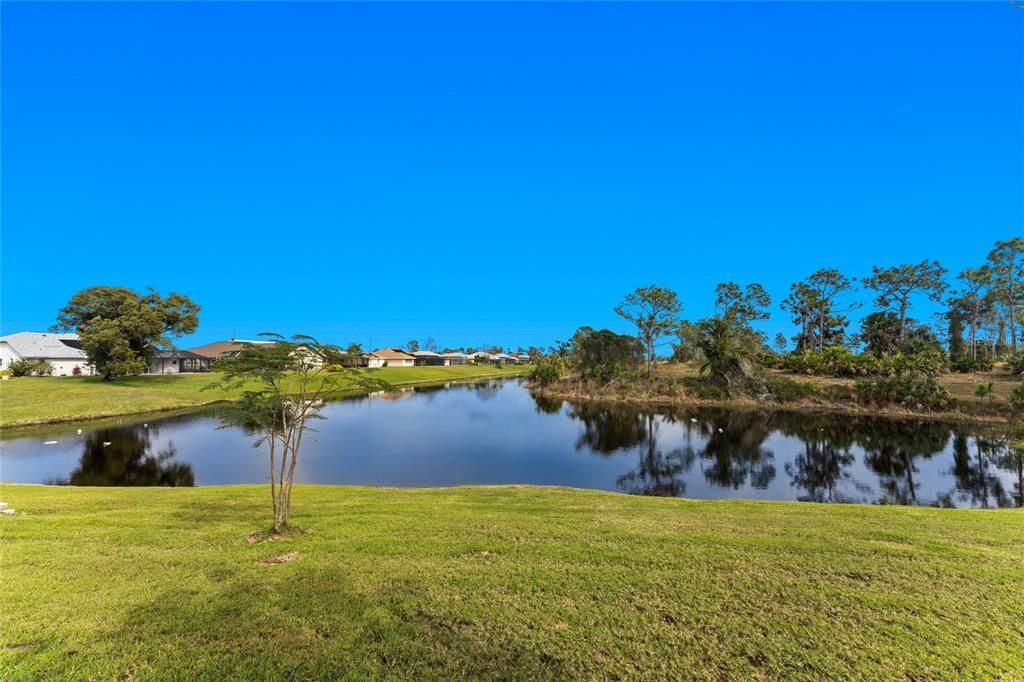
column 36, row 400
column 502, row 582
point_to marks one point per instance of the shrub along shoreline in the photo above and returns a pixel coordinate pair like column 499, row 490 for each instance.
column 36, row 401
column 793, row 394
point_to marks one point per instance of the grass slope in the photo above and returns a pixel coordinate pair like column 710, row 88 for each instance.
column 35, row 400
column 503, row 582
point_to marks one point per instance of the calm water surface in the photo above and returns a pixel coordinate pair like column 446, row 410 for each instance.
column 496, row 432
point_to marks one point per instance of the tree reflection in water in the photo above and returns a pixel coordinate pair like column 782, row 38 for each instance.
column 547, row 405
column 613, row 428
column 976, row 476
column 657, row 473
column 734, row 453
column 610, row 428
column 1012, row 460
column 124, row 457
column 890, row 450
column 822, row 464
column 730, row 446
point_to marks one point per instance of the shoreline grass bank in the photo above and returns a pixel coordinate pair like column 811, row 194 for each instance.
column 510, row 582
column 674, row 386
column 34, row 401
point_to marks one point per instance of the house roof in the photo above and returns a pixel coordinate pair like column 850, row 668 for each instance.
column 425, row 354
column 219, row 348
column 453, row 355
column 46, row 345
column 390, row 354
column 184, row 354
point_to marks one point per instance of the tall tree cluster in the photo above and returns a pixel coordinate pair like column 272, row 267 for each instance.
column 985, row 311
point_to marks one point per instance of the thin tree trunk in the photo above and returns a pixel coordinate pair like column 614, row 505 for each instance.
column 1013, row 315
column 650, row 357
column 273, row 491
column 903, row 319
column 974, row 332
column 282, row 489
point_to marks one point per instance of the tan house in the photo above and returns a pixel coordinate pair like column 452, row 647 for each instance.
column 390, row 357
column 220, row 349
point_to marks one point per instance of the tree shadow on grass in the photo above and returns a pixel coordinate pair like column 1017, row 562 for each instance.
column 303, row 620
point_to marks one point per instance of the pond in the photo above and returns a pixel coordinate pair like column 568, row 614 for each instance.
column 496, row 432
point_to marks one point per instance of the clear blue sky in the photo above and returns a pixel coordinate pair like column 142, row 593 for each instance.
column 497, row 173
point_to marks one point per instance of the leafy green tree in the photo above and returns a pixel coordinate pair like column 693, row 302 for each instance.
column 655, row 312
column 898, row 285
column 801, row 304
column 780, row 343
column 813, row 305
column 120, row 329
column 972, row 303
column 827, row 285
column 1007, row 275
column 604, row 355
column 535, row 354
column 281, row 393
column 745, row 304
column 730, row 355
column 955, row 330
column 984, row 390
column 687, row 348
column 880, row 335
column 413, row 345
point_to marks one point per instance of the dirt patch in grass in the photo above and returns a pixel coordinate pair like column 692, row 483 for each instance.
column 282, row 559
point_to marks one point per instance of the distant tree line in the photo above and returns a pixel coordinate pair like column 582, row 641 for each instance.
column 981, row 323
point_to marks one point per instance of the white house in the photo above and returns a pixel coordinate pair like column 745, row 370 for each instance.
column 454, row 358
column 63, row 352
column 390, row 357
column 178, row 362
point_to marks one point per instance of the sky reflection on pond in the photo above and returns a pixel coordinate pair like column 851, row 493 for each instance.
column 496, row 432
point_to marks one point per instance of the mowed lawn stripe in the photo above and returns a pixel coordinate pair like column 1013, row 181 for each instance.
column 37, row 400
column 503, row 582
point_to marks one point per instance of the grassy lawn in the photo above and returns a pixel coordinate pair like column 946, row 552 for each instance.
column 503, row 582
column 35, row 400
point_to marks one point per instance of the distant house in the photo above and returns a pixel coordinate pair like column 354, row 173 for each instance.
column 178, row 362
column 505, row 359
column 454, row 358
column 229, row 349
column 225, row 349
column 480, row 356
column 347, row 359
column 427, row 357
column 390, row 357
column 63, row 351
